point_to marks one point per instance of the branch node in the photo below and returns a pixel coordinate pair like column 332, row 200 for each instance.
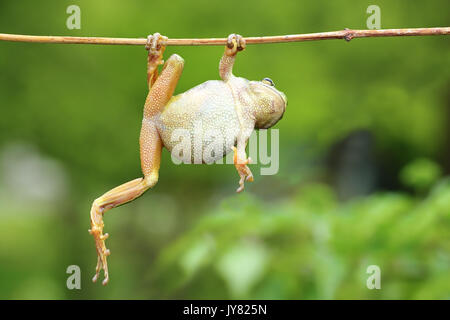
column 348, row 35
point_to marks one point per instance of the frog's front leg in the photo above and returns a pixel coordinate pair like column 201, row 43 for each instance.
column 235, row 43
column 161, row 90
column 240, row 161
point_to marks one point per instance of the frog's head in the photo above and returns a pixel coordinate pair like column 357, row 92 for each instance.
column 270, row 103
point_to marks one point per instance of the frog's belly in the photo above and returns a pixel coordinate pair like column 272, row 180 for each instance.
column 197, row 129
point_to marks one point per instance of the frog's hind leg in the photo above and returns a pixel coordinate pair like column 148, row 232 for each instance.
column 113, row 198
column 161, row 91
column 151, row 146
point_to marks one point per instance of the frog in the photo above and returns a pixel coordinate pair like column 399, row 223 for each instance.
column 233, row 106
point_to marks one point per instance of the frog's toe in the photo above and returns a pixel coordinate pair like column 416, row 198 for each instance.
column 101, row 264
column 240, row 42
column 102, row 253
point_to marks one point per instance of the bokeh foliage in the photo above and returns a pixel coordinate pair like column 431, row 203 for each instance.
column 69, row 122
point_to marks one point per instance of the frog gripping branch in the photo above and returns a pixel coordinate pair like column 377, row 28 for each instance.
column 239, row 106
column 234, row 106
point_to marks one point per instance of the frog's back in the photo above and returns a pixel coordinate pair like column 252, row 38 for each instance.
column 206, row 111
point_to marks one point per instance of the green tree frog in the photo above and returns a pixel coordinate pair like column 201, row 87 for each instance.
column 233, row 106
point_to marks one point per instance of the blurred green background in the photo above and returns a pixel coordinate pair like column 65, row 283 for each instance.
column 364, row 156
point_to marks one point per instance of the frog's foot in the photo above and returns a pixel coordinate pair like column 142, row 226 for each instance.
column 243, row 170
column 102, row 253
column 235, row 43
column 156, row 44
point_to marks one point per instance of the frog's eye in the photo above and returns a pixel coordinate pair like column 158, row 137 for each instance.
column 268, row 81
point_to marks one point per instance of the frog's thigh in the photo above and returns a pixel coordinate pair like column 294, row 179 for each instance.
column 150, row 148
column 160, row 93
column 163, row 88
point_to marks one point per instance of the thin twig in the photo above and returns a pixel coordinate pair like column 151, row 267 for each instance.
column 346, row 34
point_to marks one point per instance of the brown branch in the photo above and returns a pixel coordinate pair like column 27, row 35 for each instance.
column 346, row 34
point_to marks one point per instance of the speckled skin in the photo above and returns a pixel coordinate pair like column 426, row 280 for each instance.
column 230, row 108
column 202, row 109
